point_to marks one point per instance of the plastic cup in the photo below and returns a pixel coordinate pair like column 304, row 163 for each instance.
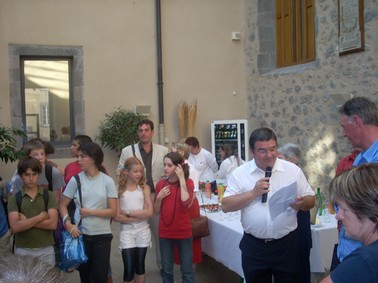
column 220, row 193
column 208, row 192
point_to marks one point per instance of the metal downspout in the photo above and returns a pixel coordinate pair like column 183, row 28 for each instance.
column 159, row 73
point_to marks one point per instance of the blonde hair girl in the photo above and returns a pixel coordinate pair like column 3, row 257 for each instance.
column 135, row 208
column 123, row 176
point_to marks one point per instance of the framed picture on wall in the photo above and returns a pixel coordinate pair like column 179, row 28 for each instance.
column 351, row 26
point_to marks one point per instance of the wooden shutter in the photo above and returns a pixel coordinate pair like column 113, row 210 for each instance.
column 310, row 30
column 284, row 32
column 295, row 32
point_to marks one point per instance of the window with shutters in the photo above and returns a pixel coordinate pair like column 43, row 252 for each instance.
column 295, row 32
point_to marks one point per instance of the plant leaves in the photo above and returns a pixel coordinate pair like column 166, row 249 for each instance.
column 119, row 129
column 8, row 143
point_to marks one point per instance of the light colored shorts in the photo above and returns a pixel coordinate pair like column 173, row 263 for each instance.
column 5, row 244
column 135, row 235
column 45, row 254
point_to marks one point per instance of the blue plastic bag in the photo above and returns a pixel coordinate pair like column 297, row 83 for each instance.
column 72, row 251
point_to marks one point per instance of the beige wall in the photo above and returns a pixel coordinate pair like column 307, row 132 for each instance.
column 200, row 61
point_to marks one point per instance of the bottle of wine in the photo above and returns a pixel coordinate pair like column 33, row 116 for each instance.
column 319, row 199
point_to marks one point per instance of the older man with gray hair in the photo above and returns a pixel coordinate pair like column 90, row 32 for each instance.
column 290, row 152
column 359, row 121
column 27, row 269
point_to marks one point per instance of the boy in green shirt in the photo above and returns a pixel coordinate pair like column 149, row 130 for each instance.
column 36, row 217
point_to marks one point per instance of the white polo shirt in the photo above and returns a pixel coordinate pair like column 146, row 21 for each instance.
column 255, row 217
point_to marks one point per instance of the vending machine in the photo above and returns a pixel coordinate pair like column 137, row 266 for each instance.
column 233, row 132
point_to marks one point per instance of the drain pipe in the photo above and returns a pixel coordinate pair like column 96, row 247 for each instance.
column 161, row 132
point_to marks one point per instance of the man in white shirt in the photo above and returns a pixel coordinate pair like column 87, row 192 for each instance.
column 269, row 245
column 204, row 162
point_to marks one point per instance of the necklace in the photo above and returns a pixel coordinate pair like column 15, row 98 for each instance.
column 174, row 208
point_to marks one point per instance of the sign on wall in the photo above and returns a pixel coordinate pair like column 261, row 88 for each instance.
column 351, row 26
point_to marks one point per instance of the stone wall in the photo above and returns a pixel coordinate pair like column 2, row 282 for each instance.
column 300, row 103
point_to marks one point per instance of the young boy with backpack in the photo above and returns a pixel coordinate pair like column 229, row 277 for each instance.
column 33, row 214
column 50, row 177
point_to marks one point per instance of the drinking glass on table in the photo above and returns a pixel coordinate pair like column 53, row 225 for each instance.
column 208, row 193
column 230, row 216
column 202, row 200
column 327, row 217
column 220, row 190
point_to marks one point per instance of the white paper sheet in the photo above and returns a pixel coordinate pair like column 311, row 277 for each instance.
column 281, row 200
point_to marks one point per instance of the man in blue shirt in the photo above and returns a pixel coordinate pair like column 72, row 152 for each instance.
column 5, row 233
column 359, row 120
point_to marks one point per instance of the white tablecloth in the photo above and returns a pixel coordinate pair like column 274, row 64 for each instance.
column 324, row 238
column 223, row 243
column 226, row 232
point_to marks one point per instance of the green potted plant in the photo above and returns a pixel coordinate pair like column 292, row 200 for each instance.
column 119, row 129
column 8, row 142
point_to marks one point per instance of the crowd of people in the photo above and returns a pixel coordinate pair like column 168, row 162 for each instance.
column 155, row 199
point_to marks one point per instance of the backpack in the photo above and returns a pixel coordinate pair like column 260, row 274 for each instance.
column 48, row 173
column 71, row 208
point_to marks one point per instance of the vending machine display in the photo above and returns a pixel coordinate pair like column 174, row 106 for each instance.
column 233, row 132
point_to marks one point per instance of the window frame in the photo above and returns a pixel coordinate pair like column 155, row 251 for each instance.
column 16, row 51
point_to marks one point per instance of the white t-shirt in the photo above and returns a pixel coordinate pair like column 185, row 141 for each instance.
column 194, row 175
column 95, row 192
column 205, row 164
column 255, row 217
column 227, row 167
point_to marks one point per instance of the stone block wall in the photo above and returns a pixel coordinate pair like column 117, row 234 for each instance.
column 299, row 102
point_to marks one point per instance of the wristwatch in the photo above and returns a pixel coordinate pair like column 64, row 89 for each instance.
column 128, row 213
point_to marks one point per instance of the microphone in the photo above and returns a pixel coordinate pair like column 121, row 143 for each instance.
column 268, row 173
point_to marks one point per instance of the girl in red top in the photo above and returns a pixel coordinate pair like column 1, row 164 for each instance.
column 173, row 197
